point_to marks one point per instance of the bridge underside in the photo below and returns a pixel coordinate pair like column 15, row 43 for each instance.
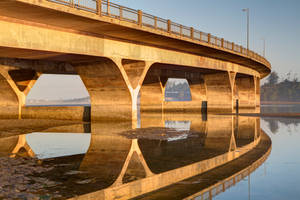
column 117, row 74
column 117, row 86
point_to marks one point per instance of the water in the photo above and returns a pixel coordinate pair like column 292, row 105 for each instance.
column 278, row 177
column 287, row 108
column 43, row 159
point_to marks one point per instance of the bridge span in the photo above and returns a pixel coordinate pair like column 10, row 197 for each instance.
column 120, row 53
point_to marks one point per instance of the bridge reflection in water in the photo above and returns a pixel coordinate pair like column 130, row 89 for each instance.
column 122, row 163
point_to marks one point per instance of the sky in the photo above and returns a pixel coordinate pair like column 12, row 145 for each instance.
column 276, row 21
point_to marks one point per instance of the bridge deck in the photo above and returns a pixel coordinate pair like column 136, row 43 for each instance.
column 118, row 25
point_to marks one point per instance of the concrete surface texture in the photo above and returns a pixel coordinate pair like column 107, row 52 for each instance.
column 118, row 61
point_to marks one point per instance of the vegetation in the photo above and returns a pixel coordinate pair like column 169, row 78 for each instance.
column 177, row 91
column 287, row 90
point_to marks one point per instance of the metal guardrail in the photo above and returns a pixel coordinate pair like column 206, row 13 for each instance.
column 109, row 9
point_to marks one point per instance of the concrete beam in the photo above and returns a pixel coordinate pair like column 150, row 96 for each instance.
column 62, row 17
column 55, row 43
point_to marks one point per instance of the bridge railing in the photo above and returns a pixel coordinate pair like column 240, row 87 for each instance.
column 109, row 9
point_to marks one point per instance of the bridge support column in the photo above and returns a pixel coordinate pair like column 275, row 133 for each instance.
column 153, row 92
column 245, row 86
column 219, row 92
column 15, row 84
column 113, row 85
column 198, row 94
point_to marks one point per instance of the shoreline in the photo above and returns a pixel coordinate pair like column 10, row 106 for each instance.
column 286, row 115
column 280, row 103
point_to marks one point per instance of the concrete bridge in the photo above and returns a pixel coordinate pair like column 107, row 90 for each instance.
column 120, row 53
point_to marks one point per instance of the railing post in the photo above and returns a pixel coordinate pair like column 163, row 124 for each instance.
column 192, row 33
column 108, row 9
column 222, row 42
column 72, row 3
column 200, row 36
column 169, row 25
column 241, row 49
column 140, row 17
column 155, row 22
column 208, row 38
column 232, row 46
column 99, row 7
column 121, row 12
column 180, row 30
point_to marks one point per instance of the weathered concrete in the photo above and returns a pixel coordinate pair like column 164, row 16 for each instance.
column 76, row 113
column 113, row 59
column 245, row 91
column 152, row 92
column 15, row 85
column 75, row 20
column 219, row 92
column 113, row 86
column 109, row 94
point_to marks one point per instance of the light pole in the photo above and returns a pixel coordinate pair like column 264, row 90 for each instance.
column 247, row 11
column 264, row 47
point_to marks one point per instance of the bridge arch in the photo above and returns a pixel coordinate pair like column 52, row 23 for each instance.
column 154, row 88
column 113, row 85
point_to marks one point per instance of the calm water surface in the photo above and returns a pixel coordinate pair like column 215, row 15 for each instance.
column 60, row 160
column 278, row 178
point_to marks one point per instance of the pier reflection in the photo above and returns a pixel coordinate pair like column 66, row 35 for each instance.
column 121, row 162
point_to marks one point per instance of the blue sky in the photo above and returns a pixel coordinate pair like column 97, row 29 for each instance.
column 278, row 21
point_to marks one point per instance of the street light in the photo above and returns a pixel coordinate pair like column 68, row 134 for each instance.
column 264, row 47
column 247, row 10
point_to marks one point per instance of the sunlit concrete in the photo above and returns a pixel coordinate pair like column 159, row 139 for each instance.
column 14, row 86
column 116, row 66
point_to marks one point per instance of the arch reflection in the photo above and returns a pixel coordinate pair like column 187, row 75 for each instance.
column 125, row 163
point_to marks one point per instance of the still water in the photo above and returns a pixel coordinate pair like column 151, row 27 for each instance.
column 171, row 156
column 278, row 178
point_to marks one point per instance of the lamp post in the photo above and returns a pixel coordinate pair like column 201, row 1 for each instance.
column 264, row 47
column 247, row 11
